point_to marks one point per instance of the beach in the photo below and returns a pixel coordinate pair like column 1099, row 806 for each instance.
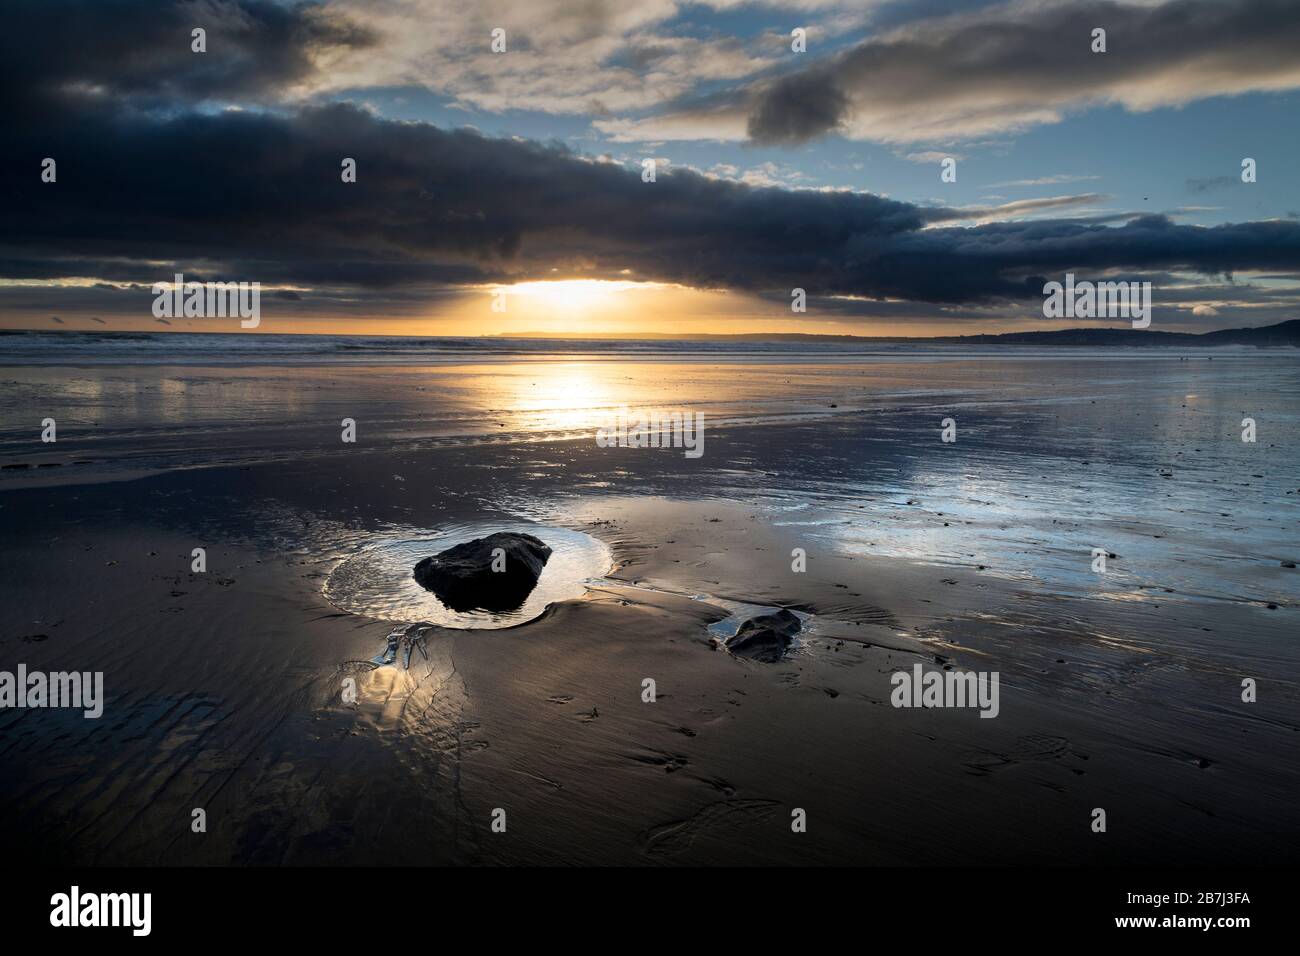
column 1120, row 689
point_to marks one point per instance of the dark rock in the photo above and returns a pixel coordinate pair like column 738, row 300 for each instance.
column 765, row 638
column 463, row 579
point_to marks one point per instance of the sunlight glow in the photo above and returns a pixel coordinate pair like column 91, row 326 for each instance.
column 562, row 397
column 576, row 295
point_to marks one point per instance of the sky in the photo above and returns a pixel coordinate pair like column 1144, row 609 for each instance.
column 794, row 145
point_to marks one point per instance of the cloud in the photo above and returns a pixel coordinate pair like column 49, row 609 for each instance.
column 140, row 50
column 593, row 57
column 1002, row 70
column 1008, row 210
column 722, row 120
column 798, row 108
column 258, row 196
column 1054, row 180
column 930, row 156
column 764, row 174
column 159, row 173
column 1211, row 183
column 586, row 58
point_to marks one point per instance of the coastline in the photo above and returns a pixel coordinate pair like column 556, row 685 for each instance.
column 223, row 687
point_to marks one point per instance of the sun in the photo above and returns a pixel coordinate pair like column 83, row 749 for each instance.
column 569, row 295
column 576, row 307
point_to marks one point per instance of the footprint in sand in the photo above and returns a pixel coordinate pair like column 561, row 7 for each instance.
column 1025, row 750
column 661, row 758
column 720, row 818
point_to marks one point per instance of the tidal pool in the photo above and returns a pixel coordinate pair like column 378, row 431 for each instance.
column 377, row 581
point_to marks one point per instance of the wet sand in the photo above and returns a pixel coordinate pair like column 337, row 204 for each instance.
column 1120, row 692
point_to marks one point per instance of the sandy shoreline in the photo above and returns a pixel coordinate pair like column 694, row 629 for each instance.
column 223, row 695
column 224, row 687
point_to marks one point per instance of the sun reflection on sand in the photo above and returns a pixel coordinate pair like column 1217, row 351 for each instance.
column 562, row 397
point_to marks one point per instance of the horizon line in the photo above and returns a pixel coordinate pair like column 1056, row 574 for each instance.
column 664, row 336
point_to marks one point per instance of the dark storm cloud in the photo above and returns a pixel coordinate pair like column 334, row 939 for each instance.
column 1023, row 64
column 1014, row 257
column 152, row 180
column 262, row 193
column 258, row 196
column 798, row 108
column 110, row 50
